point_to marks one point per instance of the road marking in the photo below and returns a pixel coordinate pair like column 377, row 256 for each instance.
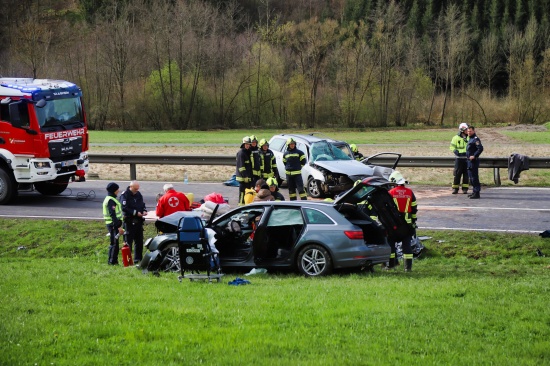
column 484, row 230
column 453, row 208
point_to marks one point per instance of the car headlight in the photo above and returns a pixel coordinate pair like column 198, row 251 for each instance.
column 41, row 164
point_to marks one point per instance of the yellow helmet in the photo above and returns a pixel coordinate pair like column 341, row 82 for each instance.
column 271, row 182
column 263, row 142
column 353, row 148
column 290, row 141
column 253, row 138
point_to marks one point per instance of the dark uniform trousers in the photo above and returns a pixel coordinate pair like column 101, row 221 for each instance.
column 113, row 247
column 461, row 172
column 134, row 234
column 295, row 182
column 473, row 173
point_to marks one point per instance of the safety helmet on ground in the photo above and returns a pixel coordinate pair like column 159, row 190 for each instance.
column 353, row 148
column 463, row 126
column 253, row 138
column 247, row 140
column 271, row 182
column 290, row 141
column 397, row 178
column 263, row 142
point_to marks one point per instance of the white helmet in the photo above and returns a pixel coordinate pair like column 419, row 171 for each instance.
column 463, row 126
column 397, row 178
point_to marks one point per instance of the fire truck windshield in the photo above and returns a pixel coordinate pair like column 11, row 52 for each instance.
column 60, row 112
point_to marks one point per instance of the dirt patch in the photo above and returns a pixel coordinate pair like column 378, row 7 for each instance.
column 526, row 128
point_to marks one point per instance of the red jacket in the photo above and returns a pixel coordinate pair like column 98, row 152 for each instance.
column 406, row 201
column 172, row 201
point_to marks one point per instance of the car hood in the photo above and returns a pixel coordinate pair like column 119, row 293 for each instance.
column 362, row 190
column 347, row 167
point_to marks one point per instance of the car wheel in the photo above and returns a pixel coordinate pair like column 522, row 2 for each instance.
column 314, row 260
column 171, row 259
column 314, row 188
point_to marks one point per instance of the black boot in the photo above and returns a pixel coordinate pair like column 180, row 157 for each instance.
column 391, row 264
column 408, row 265
column 475, row 196
column 465, row 191
column 455, row 191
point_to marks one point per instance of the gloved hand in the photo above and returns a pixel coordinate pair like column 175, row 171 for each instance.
column 455, row 152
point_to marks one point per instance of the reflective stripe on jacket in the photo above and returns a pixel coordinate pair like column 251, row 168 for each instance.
column 244, row 166
column 405, row 201
column 294, row 160
column 459, row 143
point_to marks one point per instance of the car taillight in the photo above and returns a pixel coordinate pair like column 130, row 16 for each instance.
column 354, row 234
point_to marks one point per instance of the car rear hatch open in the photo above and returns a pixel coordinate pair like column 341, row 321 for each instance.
column 374, row 191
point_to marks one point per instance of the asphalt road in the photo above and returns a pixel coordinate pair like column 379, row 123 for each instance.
column 509, row 209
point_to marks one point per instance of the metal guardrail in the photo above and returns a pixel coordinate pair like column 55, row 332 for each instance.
column 405, row 161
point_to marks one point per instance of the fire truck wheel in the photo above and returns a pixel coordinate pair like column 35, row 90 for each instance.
column 52, row 188
column 8, row 190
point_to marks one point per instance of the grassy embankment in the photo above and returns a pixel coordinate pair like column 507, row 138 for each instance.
column 475, row 299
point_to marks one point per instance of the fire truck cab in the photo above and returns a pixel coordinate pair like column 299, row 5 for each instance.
column 43, row 136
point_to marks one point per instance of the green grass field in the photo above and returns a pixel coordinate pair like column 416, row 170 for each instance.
column 479, row 298
column 234, row 137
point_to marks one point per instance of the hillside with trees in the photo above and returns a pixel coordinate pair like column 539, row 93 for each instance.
column 190, row 64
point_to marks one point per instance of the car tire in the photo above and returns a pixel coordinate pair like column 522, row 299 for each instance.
column 170, row 258
column 314, row 260
column 314, row 188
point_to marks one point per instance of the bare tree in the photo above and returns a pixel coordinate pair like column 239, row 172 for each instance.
column 489, row 60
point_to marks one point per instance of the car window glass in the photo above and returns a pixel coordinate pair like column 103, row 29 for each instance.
column 285, row 217
column 316, row 217
column 303, row 148
column 245, row 217
column 277, row 144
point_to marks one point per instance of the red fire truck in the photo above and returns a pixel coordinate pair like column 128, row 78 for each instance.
column 43, row 136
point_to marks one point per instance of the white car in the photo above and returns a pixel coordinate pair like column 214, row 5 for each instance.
column 330, row 168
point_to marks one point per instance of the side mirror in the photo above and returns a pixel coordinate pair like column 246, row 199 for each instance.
column 41, row 103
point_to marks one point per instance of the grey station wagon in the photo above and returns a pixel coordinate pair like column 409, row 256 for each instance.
column 312, row 237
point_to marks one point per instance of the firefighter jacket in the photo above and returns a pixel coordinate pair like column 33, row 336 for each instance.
column 268, row 165
column 406, row 202
column 474, row 147
column 244, row 166
column 255, row 161
column 112, row 211
column 172, row 201
column 277, row 196
column 132, row 204
column 458, row 145
column 358, row 156
column 294, row 160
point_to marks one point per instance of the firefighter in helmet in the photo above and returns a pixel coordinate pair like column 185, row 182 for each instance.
column 294, row 159
column 268, row 165
column 406, row 204
column 356, row 154
column 255, row 158
column 273, row 187
column 458, row 147
column 244, row 169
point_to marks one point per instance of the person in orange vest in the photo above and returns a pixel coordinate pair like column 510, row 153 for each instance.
column 406, row 204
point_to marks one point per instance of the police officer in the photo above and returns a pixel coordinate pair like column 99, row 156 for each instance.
column 273, row 187
column 134, row 211
column 458, row 147
column 255, row 159
column 112, row 213
column 406, row 204
column 473, row 150
column 268, row 165
column 294, row 159
column 356, row 154
column 244, row 169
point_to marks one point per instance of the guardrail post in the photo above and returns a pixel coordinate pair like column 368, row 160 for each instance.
column 496, row 175
column 133, row 173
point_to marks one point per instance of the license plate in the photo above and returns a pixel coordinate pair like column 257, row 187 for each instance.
column 68, row 163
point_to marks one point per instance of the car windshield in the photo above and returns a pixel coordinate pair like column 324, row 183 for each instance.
column 327, row 151
column 60, row 112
